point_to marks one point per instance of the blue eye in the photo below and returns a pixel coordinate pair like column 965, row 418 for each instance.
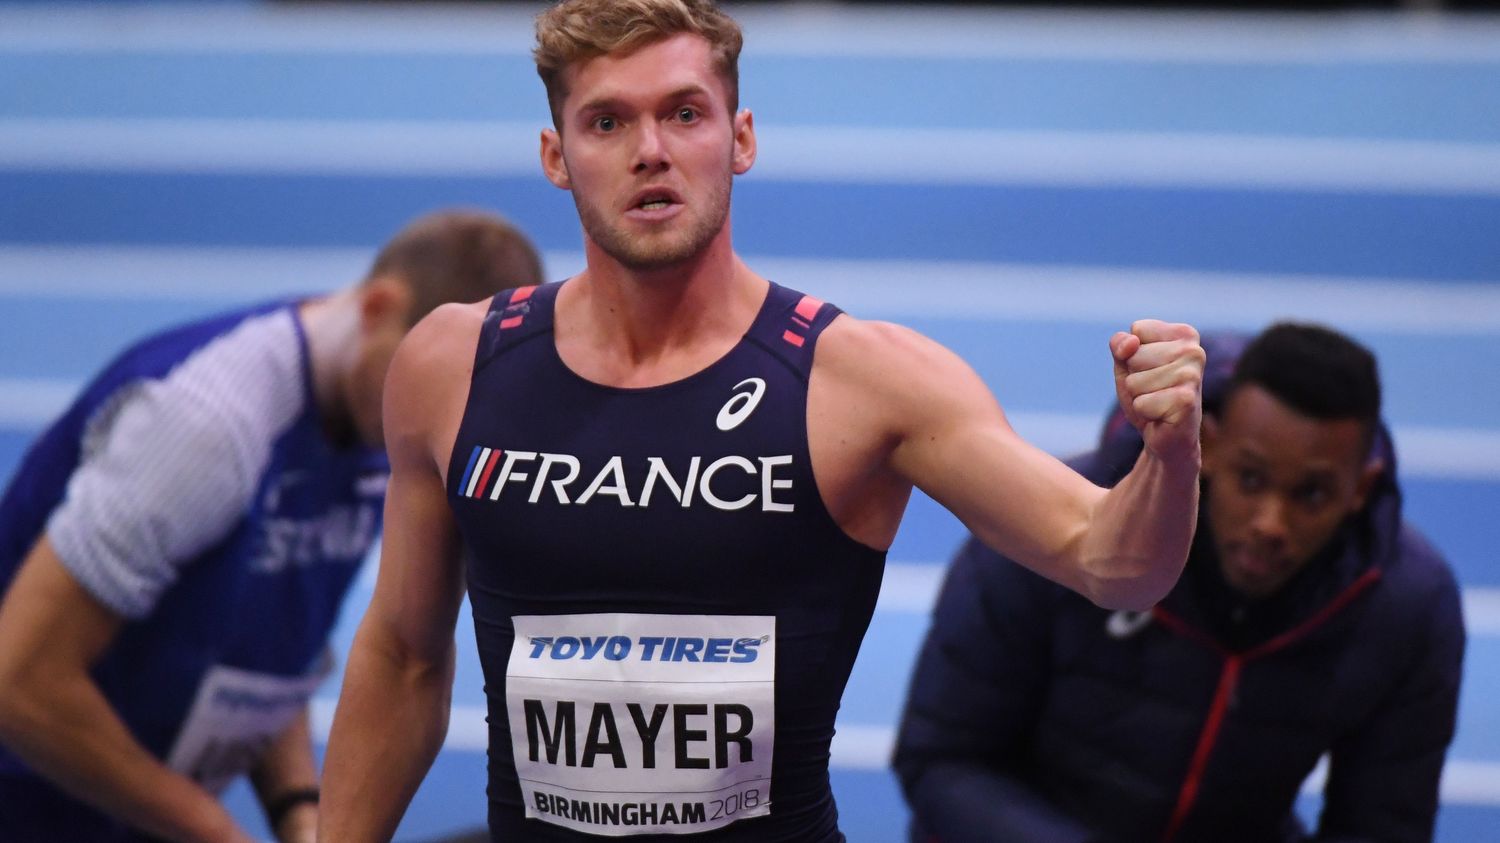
column 687, row 115
column 605, row 124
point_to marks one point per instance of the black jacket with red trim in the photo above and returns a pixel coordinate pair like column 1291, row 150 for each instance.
column 1036, row 717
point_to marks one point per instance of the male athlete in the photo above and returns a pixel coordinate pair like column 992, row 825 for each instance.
column 174, row 550
column 669, row 484
column 1310, row 622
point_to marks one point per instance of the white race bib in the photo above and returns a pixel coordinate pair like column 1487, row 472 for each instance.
column 235, row 716
column 629, row 724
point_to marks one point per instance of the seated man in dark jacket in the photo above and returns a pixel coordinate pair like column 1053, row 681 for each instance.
column 1309, row 621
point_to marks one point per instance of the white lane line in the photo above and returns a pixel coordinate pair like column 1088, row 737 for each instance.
column 872, row 289
column 192, row 274
column 215, row 274
column 869, row 747
column 973, row 290
column 28, row 404
column 787, row 153
column 276, row 146
column 1464, row 782
column 1451, row 454
column 913, row 31
column 401, row 29
column 916, row 30
column 912, row 588
column 1471, row 783
column 915, row 156
column 1482, row 612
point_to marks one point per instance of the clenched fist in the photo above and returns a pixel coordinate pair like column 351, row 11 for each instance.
column 1159, row 381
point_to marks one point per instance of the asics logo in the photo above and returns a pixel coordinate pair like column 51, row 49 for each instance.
column 741, row 404
column 1124, row 623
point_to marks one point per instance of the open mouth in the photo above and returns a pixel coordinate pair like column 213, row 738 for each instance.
column 655, row 200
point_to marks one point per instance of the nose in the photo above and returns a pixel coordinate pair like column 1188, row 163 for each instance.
column 650, row 150
column 1269, row 520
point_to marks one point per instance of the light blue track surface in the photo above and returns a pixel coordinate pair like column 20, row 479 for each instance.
column 1422, row 92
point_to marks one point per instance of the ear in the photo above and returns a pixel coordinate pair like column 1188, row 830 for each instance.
column 384, row 301
column 554, row 166
column 1208, row 441
column 1374, row 467
column 744, row 141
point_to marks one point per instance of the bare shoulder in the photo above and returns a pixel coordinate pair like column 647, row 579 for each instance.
column 897, row 369
column 849, row 339
column 861, row 347
column 876, row 390
column 443, row 338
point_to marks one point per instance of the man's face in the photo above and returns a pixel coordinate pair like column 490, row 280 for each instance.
column 649, row 150
column 1280, row 485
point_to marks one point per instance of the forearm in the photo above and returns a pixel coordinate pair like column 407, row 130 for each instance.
column 372, row 770
column 1140, row 532
column 63, row 728
column 287, row 769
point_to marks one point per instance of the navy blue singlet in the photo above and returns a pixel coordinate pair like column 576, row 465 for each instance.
column 666, row 613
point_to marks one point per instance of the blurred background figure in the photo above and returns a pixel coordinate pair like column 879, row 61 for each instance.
column 175, row 548
column 1049, row 169
column 1310, row 620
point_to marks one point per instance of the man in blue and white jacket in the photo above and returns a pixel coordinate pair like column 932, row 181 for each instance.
column 1309, row 621
column 174, row 550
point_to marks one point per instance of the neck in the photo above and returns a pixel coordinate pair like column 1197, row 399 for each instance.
column 331, row 325
column 634, row 327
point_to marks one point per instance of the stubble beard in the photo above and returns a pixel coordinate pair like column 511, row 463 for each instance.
column 659, row 250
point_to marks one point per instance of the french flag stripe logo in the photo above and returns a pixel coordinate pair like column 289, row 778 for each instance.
column 484, row 479
column 469, row 472
column 484, row 457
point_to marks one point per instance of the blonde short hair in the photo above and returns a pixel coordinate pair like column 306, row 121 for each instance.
column 577, row 30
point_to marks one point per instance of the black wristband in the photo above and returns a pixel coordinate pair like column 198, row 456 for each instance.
column 277, row 809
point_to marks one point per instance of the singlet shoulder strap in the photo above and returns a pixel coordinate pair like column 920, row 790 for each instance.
column 514, row 317
column 789, row 325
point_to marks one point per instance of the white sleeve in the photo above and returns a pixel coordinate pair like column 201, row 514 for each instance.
column 171, row 467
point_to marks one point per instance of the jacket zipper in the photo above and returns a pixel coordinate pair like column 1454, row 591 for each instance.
column 1229, row 677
